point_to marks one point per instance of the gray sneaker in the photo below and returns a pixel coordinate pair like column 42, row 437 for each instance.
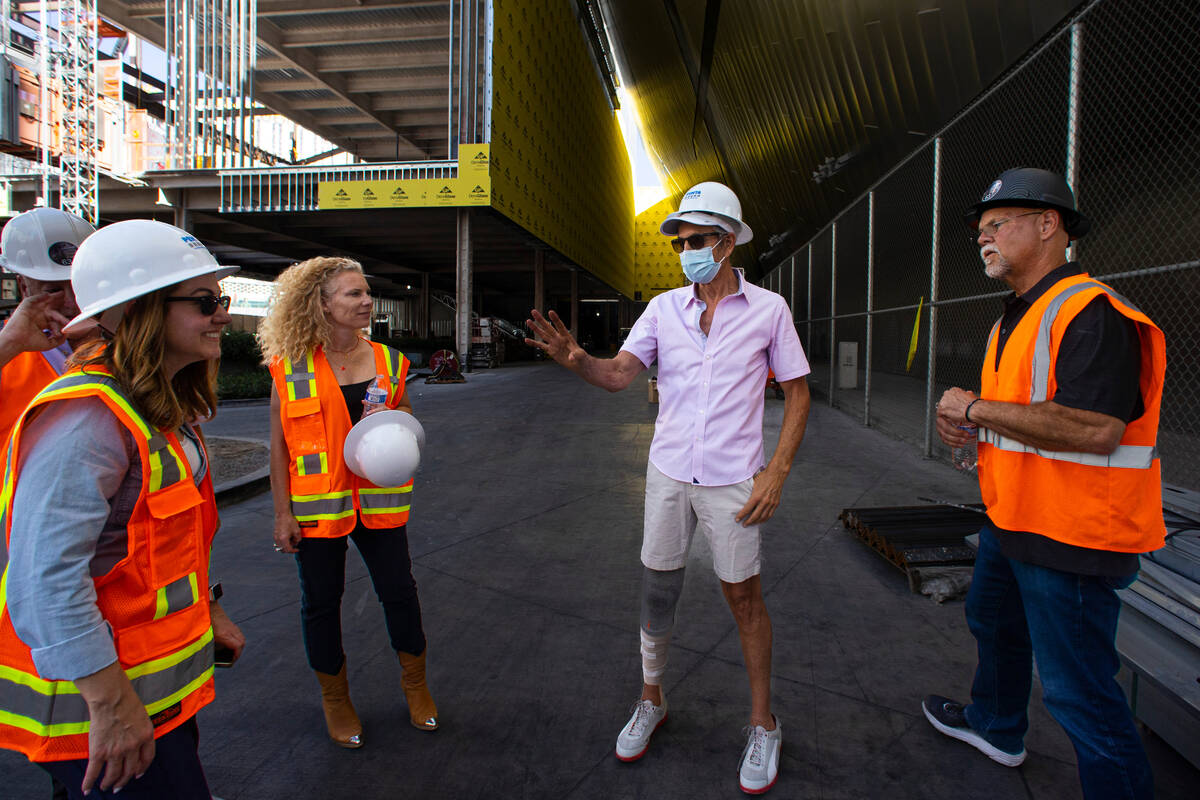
column 760, row 759
column 634, row 738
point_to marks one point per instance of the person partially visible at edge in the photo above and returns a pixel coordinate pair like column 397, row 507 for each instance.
column 38, row 246
column 322, row 365
column 714, row 342
column 107, row 629
column 1067, row 418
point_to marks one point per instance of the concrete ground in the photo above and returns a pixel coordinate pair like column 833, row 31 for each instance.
column 525, row 536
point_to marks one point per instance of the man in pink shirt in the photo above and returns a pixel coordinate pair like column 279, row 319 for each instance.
column 714, row 342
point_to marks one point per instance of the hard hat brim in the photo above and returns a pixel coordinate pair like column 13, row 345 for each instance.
column 670, row 225
column 378, row 420
column 134, row 292
column 38, row 273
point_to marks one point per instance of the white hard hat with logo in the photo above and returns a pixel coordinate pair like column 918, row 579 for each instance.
column 385, row 447
column 125, row 260
column 41, row 242
column 710, row 203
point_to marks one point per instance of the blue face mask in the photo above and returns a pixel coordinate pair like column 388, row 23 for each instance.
column 699, row 266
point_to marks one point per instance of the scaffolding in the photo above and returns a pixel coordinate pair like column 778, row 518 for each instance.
column 79, row 37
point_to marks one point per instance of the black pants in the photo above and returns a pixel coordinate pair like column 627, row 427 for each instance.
column 322, row 566
column 174, row 774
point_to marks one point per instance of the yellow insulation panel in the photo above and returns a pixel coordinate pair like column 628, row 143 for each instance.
column 656, row 266
column 560, row 169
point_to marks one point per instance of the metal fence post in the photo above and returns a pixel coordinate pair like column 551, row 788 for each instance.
column 832, row 312
column 792, row 287
column 808, row 302
column 1073, row 120
column 870, row 305
column 931, row 368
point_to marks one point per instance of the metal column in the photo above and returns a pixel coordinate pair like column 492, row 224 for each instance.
column 539, row 280
column 463, row 289
column 183, row 214
column 575, row 303
column 832, row 312
column 423, row 308
column 870, row 306
column 931, row 369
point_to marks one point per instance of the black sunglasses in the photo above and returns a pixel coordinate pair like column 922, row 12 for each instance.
column 208, row 302
column 695, row 241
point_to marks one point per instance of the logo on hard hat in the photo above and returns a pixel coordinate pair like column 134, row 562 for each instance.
column 192, row 242
column 992, row 191
column 694, row 193
column 61, row 253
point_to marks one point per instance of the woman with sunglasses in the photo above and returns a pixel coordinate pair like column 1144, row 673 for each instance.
column 107, row 630
column 322, row 366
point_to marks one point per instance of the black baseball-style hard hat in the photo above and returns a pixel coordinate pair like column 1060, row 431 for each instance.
column 1027, row 187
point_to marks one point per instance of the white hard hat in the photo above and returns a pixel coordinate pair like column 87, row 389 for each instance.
column 40, row 243
column 126, row 260
column 709, row 203
column 385, row 447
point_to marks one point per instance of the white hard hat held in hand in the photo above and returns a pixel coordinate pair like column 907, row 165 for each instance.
column 125, row 260
column 385, row 447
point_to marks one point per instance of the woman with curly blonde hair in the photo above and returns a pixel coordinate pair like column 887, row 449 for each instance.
column 322, row 365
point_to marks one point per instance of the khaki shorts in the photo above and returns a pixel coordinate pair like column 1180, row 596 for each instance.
column 674, row 510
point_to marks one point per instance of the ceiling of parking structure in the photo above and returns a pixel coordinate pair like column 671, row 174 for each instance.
column 800, row 106
column 371, row 76
column 394, row 246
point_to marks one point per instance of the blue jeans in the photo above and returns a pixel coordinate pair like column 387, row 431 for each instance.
column 1069, row 622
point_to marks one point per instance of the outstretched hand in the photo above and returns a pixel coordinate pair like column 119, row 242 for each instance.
column 555, row 340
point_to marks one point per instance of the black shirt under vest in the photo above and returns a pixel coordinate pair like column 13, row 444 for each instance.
column 1098, row 368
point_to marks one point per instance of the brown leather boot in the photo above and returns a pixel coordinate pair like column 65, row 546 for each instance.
column 421, row 709
column 340, row 717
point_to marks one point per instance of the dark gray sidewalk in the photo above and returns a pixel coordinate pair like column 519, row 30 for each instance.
column 525, row 536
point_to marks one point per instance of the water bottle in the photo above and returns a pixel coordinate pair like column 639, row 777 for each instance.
column 964, row 458
column 376, row 394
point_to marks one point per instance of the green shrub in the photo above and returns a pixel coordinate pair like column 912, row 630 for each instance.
column 235, row 385
column 240, row 347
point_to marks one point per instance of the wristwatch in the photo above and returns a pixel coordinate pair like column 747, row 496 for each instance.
column 215, row 592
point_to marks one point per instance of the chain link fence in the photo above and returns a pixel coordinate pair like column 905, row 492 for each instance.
column 891, row 299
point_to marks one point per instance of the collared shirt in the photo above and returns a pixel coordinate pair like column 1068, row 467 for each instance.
column 709, row 427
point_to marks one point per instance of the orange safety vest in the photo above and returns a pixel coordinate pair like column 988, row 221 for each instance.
column 1104, row 502
column 20, row 381
column 327, row 498
column 155, row 599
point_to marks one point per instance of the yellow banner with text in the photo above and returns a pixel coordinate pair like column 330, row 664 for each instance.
column 472, row 187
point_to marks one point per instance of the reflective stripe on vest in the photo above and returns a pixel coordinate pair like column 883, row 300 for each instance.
column 301, row 385
column 1040, row 373
column 1126, row 456
column 166, row 466
column 176, row 596
column 312, row 464
column 55, row 708
column 385, row 501
column 312, row 507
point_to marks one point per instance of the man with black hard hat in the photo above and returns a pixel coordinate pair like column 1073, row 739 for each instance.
column 1066, row 420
